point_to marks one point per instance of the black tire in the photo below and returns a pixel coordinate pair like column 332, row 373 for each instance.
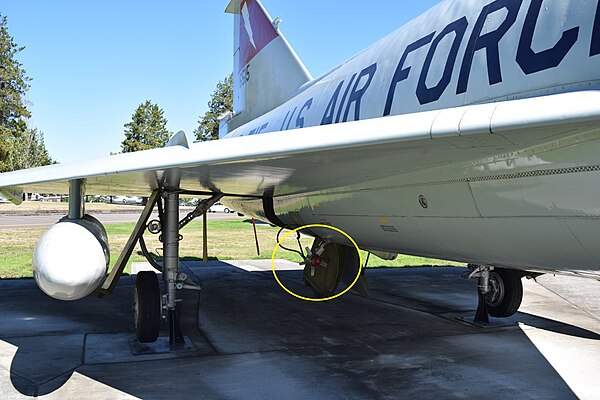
column 146, row 307
column 226, row 210
column 325, row 280
column 507, row 293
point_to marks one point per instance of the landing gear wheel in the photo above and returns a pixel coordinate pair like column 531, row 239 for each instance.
column 146, row 307
column 506, row 294
column 324, row 279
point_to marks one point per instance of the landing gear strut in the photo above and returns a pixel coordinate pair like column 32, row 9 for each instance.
column 169, row 225
column 148, row 304
column 500, row 292
column 171, row 265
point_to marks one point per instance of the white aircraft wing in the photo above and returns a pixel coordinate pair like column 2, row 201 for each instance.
column 322, row 157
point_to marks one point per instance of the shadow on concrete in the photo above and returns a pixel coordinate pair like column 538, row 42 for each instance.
column 270, row 345
column 50, row 334
column 556, row 326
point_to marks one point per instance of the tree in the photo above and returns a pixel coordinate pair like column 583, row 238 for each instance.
column 220, row 102
column 13, row 87
column 29, row 151
column 147, row 129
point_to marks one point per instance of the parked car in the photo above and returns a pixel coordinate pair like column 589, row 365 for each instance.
column 126, row 200
column 218, row 207
column 100, row 199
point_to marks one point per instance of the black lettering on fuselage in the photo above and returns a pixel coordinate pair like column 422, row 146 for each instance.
column 532, row 62
column 300, row 119
column 401, row 72
column 259, row 130
column 355, row 97
column 595, row 46
column 357, row 94
column 339, row 113
column 291, row 117
column 330, row 110
column 284, row 121
column 489, row 42
column 428, row 95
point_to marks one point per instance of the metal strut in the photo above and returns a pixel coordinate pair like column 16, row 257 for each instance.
column 200, row 209
column 171, row 265
column 111, row 282
column 483, row 289
column 76, row 199
column 170, row 226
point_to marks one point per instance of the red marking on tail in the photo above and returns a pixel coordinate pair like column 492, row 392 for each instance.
column 256, row 30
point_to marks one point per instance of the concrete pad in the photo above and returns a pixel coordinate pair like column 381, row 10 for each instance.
column 81, row 387
column 255, row 341
column 40, row 359
column 118, row 348
column 142, row 266
column 13, row 387
column 572, row 357
column 271, row 375
column 265, row 265
column 584, row 294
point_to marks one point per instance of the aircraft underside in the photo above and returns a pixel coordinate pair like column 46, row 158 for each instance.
column 532, row 208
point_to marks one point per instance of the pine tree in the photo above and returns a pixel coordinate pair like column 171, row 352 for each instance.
column 29, row 151
column 220, row 102
column 13, row 87
column 147, row 129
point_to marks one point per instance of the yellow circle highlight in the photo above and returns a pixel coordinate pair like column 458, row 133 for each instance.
column 360, row 262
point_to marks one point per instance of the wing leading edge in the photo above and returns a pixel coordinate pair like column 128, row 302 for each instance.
column 322, row 157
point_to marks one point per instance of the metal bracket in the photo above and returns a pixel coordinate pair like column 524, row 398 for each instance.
column 109, row 284
column 200, row 209
column 184, row 282
column 482, row 272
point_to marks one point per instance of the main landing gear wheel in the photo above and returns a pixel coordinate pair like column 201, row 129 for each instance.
column 506, row 293
column 323, row 268
column 146, row 307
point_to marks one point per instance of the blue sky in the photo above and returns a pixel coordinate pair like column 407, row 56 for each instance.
column 94, row 62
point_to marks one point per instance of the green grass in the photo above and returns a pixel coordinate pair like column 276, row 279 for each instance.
column 227, row 240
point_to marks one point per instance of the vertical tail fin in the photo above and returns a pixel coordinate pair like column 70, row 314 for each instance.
column 266, row 69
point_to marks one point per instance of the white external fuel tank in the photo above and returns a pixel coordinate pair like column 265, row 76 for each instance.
column 71, row 258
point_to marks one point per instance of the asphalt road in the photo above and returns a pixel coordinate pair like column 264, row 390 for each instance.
column 46, row 220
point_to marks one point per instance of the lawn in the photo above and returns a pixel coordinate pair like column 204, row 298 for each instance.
column 44, row 206
column 227, row 240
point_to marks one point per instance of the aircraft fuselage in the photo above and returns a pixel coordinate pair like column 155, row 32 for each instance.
column 522, row 201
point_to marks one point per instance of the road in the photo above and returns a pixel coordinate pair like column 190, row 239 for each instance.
column 46, row 220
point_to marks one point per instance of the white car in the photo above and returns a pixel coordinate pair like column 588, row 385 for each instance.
column 126, row 200
column 218, row 207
